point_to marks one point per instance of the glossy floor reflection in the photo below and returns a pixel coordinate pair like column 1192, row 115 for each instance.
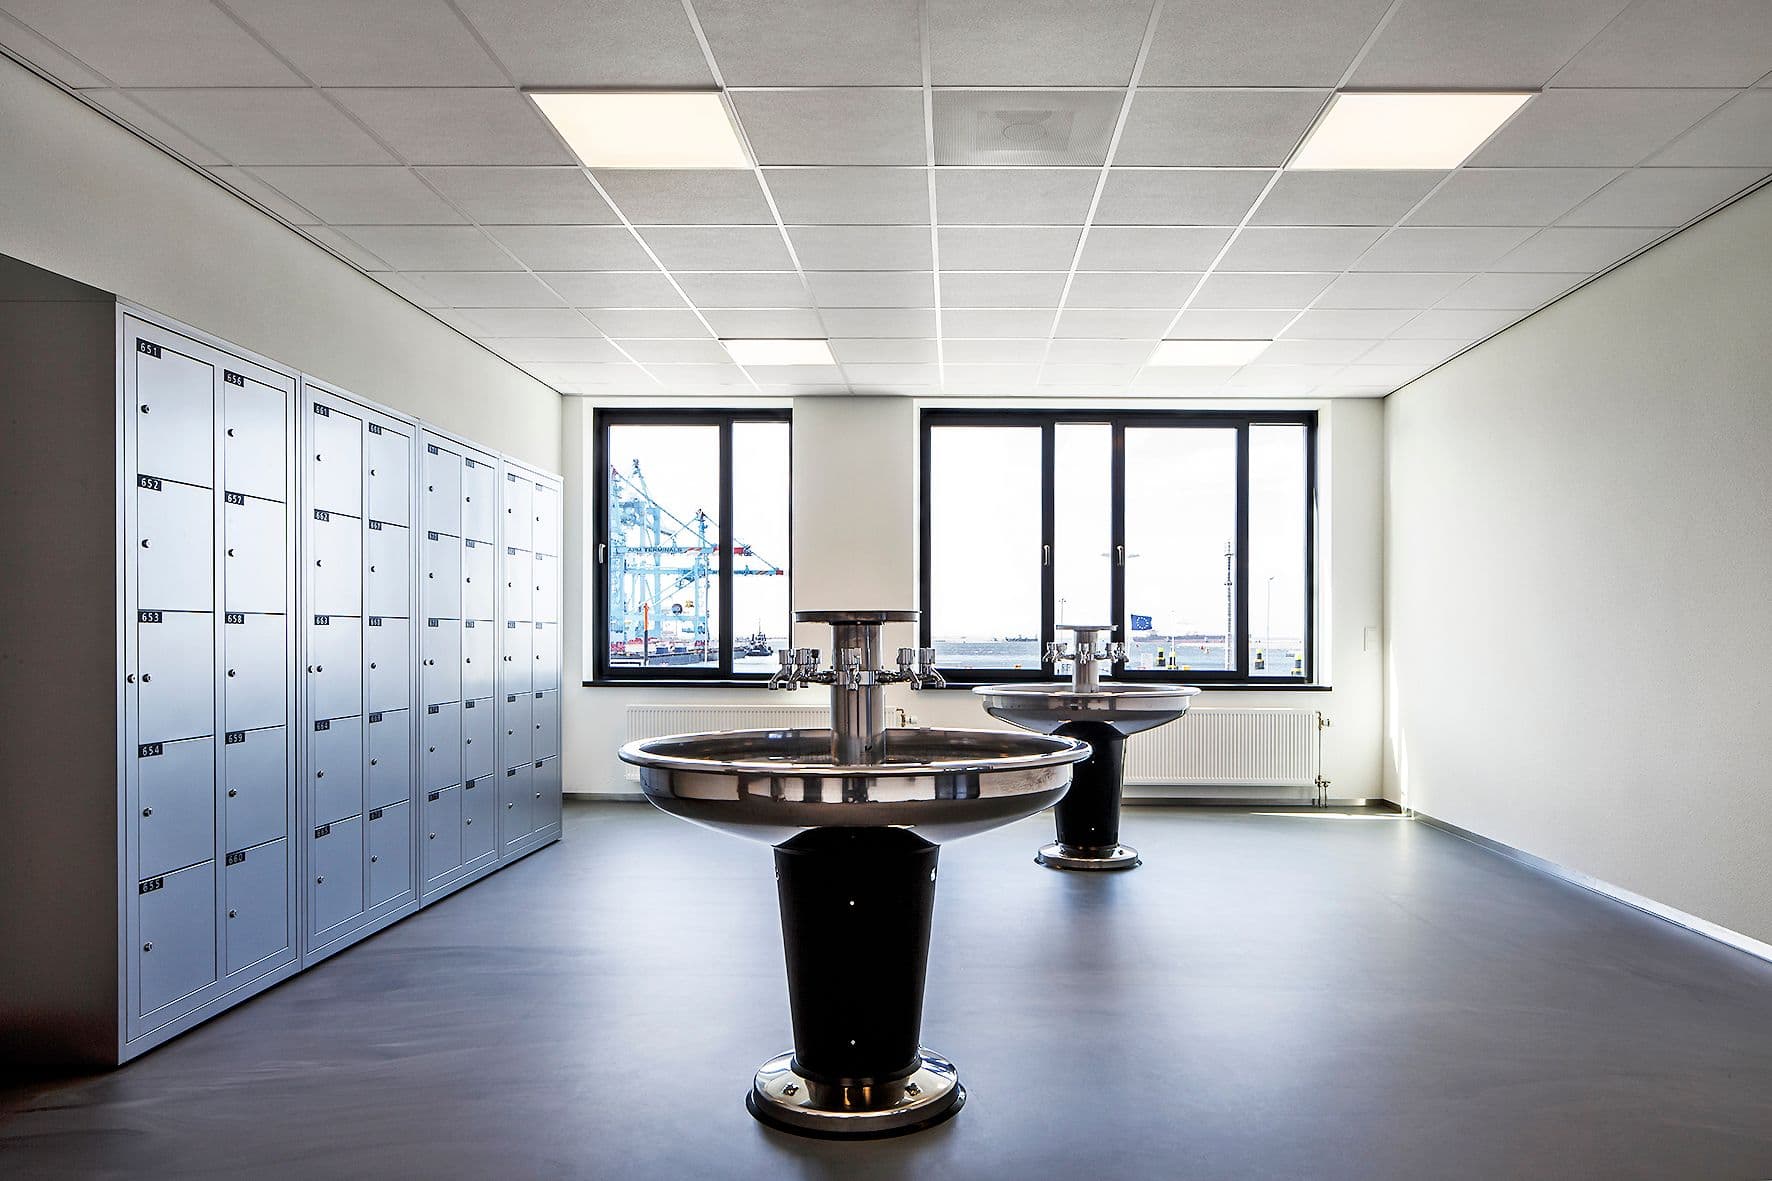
column 1281, row 995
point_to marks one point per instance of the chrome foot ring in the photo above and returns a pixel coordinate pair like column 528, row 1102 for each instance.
column 1057, row 856
column 782, row 1098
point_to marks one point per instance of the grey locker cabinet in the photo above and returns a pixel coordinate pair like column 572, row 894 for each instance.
column 390, row 775
column 529, row 659
column 176, row 949
column 335, row 666
column 440, row 746
column 440, row 667
column 175, row 553
column 177, row 812
column 255, row 670
column 335, row 885
column 479, row 822
column 545, row 721
column 390, row 475
column 388, row 665
column 255, row 439
column 479, row 500
column 442, row 488
column 390, row 854
column 479, row 658
column 389, row 576
column 479, row 737
column 256, row 922
column 255, row 787
column 546, row 653
column 518, row 725
column 517, row 800
column 175, row 677
column 441, row 828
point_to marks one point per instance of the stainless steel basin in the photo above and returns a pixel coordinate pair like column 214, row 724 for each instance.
column 1123, row 707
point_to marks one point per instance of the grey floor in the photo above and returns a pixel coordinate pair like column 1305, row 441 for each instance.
column 1280, row 995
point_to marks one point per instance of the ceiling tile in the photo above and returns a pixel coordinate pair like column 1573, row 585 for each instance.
column 878, row 322
column 1454, row 248
column 1500, row 290
column 997, row 322
column 1449, row 44
column 1509, row 196
column 447, row 125
column 1338, row 198
column 1210, row 43
column 1660, row 196
column 829, row 43
column 873, row 289
column 1152, row 248
column 1739, row 133
column 361, row 195
column 1034, row 42
column 1411, row 352
column 1183, row 377
column 862, row 248
column 859, row 125
column 1343, row 324
column 1231, row 290
column 1238, row 128
column 766, row 323
column 1178, row 196
column 1113, row 325
column 133, row 114
column 1562, row 128
column 1001, row 289
column 46, row 56
column 351, row 251
column 686, row 196
column 1396, row 290
column 1296, row 378
column 657, row 324
column 432, row 248
column 414, row 294
column 866, row 373
column 521, row 196
column 968, row 376
column 718, row 374
column 607, row 289
column 1131, row 289
column 573, row 248
column 545, row 349
column 485, row 289
column 265, row 195
column 863, row 351
column 525, row 322
column 1014, row 196
column 1022, row 127
column 1008, row 248
column 155, row 42
column 740, row 289
column 1094, row 374
column 1678, row 43
column 1231, row 324
column 1572, row 248
column 1313, row 352
column 1270, row 248
column 1028, row 351
column 350, row 43
column 719, row 248
column 705, row 351
column 803, row 391
column 1379, row 377
column 573, row 43
column 850, row 196
column 1098, row 352
column 266, row 125
column 796, row 374
column 570, row 377
column 1441, row 324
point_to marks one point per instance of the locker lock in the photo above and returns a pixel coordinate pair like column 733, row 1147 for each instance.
column 319, row 775
column 372, row 857
column 431, row 750
column 149, row 946
column 373, row 762
column 433, row 836
column 147, row 677
column 232, row 792
column 512, row 804
column 147, row 811
column 468, row 821
column 230, row 672
column 230, row 435
column 320, row 881
column 233, row 913
column 144, row 543
column 230, row 551
column 372, row 664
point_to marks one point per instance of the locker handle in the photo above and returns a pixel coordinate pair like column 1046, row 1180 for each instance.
column 320, row 881
column 148, row 946
column 374, row 762
column 147, row 811
column 232, row 792
column 232, row 913
column 230, row 672
column 430, row 750
column 230, row 551
column 371, row 665
column 129, row 679
column 433, row 836
column 144, row 407
column 373, row 858
column 145, row 543
column 146, row 677
column 319, row 775
column 230, row 435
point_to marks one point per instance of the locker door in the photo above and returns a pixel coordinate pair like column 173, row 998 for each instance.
column 255, row 775
column 390, row 758
column 548, row 799
column 176, row 921
column 175, row 554
column 479, row 501
column 479, row 738
column 255, row 438
column 175, row 681
column 516, row 800
column 441, row 846
column 335, row 885
column 546, row 662
column 390, row 475
column 440, row 747
column 175, row 822
column 254, row 574
column 514, row 671
column 390, row 570
column 442, row 580
column 439, row 672
column 335, row 770
column 479, row 819
column 544, row 719
column 546, row 608
column 479, row 579
column 256, row 883
column 390, row 853
column 519, row 514
column 335, row 564
column 389, row 672
column 335, row 667
column 336, row 467
column 255, row 650
column 174, row 415
column 547, row 520
column 519, row 585
column 479, row 659
column 517, row 729
column 442, row 490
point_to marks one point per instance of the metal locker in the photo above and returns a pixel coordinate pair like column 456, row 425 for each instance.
column 479, row 658
column 255, row 438
column 255, row 682
column 479, row 737
column 514, row 675
column 439, row 752
column 175, row 675
column 439, row 671
column 544, row 721
column 519, row 584
column 174, row 413
column 390, row 475
column 389, row 590
column 442, row 490
column 255, row 782
column 546, row 640
column 516, row 804
column 441, row 584
column 335, row 769
column 254, row 570
column 479, row 580
column 175, row 552
column 175, row 919
column 389, row 668
column 335, row 666
column 517, row 729
column 519, row 514
column 390, row 853
column 335, row 874
column 547, row 520
column 479, row 501
column 441, row 832
column 175, row 805
column 546, row 608
column 479, row 819
column 335, row 465
column 335, row 564
column 548, row 799
column 390, row 758
column 255, row 883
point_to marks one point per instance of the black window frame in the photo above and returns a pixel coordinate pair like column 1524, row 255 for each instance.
column 1119, row 420
column 602, row 670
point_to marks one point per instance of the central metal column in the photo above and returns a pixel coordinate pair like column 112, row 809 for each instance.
column 858, row 700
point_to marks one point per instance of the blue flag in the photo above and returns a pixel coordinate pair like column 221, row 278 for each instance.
column 1141, row 623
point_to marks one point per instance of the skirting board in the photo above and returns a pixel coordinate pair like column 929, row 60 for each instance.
column 634, row 797
column 1679, row 918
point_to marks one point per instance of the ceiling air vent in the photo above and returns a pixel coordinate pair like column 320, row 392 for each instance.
column 1008, row 127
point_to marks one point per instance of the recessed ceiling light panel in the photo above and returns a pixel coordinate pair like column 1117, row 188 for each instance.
column 780, row 352
column 1207, row 352
column 645, row 128
column 1403, row 130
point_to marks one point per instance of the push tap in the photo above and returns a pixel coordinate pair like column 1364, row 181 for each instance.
column 856, row 677
column 1085, row 675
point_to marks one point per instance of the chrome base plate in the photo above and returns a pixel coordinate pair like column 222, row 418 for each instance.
column 782, row 1098
column 1057, row 856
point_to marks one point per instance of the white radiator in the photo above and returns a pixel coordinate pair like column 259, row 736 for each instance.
column 1228, row 748
column 654, row 721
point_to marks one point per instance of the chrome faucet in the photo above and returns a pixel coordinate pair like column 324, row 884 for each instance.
column 856, row 677
column 1085, row 673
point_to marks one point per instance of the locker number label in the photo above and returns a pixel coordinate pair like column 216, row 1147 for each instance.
column 234, row 498
column 431, row 709
column 237, row 856
column 232, row 378
column 322, row 621
column 375, row 428
column 467, row 623
column 325, row 830
column 375, row 813
column 375, row 717
column 375, row 621
column 147, row 617
column 322, row 411
column 152, row 884
column 436, row 795
column 375, row 526
column 319, row 726
column 151, row 483
column 321, row 514
column 236, row 617
column 430, row 537
column 148, row 750
column 147, row 346
column 236, row 737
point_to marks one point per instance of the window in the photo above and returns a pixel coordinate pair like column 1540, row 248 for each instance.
column 1189, row 533
column 692, row 555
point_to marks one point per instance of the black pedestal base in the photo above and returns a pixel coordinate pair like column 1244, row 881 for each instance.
column 788, row 1101
column 1088, row 818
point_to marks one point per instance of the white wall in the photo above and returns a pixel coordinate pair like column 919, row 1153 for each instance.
column 84, row 198
column 1580, row 549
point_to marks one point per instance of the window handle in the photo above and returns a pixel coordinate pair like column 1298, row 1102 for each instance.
column 1045, row 555
column 601, row 550
column 1120, row 555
